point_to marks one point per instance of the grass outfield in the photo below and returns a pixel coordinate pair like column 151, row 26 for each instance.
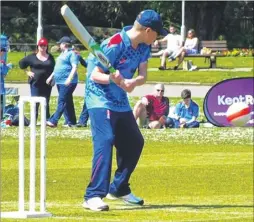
column 203, row 174
column 18, row 75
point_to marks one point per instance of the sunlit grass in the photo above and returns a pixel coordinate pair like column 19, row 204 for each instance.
column 203, row 174
column 18, row 75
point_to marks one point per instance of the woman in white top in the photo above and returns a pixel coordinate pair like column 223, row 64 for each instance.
column 191, row 43
column 190, row 47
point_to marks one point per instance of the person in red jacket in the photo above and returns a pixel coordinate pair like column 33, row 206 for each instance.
column 152, row 110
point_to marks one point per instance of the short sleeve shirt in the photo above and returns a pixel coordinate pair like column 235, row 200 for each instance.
column 63, row 66
column 41, row 69
column 123, row 57
column 174, row 42
column 187, row 113
column 157, row 108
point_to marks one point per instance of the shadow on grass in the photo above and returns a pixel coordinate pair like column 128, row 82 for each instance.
column 190, row 206
column 199, row 68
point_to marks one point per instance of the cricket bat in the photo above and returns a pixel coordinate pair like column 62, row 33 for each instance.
column 84, row 37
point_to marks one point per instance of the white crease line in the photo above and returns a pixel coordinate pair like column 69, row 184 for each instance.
column 68, row 218
column 118, row 206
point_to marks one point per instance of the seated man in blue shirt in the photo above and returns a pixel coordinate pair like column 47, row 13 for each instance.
column 186, row 113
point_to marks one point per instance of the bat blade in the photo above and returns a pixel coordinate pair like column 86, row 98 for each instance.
column 76, row 27
column 84, row 37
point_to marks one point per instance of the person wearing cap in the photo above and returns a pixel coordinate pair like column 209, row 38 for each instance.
column 4, row 70
column 38, row 67
column 186, row 113
column 66, row 79
column 152, row 110
column 112, row 120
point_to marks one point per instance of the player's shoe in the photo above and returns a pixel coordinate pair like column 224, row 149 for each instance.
column 129, row 199
column 95, row 204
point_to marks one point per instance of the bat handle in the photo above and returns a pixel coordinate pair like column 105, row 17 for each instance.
column 112, row 70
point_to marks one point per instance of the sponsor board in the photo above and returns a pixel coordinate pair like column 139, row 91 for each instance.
column 225, row 93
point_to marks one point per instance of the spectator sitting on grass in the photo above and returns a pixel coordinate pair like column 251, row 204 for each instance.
column 186, row 113
column 152, row 110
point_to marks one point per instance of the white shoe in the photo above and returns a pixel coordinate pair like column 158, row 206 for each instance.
column 111, row 197
column 95, row 204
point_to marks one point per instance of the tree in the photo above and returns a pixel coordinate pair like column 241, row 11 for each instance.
column 205, row 18
column 238, row 24
column 210, row 19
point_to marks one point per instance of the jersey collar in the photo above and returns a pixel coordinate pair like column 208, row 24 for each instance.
column 124, row 35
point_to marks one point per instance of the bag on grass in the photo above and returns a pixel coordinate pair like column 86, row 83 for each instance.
column 15, row 120
column 11, row 110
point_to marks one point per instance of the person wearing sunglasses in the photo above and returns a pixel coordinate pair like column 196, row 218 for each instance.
column 4, row 70
column 38, row 67
column 152, row 110
column 190, row 48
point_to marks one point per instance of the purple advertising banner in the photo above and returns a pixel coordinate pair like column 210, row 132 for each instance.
column 225, row 93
